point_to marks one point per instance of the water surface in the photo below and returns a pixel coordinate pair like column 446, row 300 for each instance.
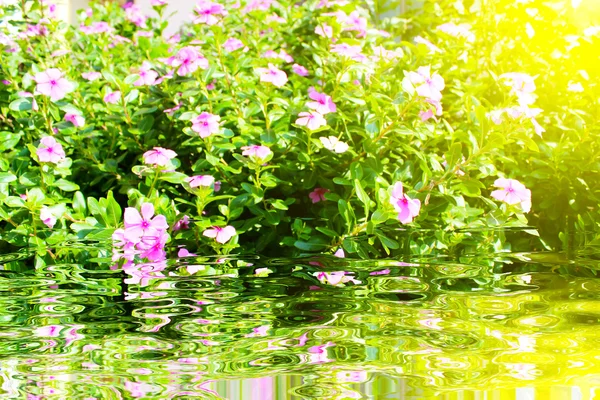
column 505, row 326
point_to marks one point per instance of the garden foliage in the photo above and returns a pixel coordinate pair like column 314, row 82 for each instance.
column 280, row 127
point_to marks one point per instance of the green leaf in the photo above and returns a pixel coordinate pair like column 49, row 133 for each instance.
column 362, row 195
column 22, row 104
column 113, row 211
column 66, row 185
column 79, row 203
column 7, row 177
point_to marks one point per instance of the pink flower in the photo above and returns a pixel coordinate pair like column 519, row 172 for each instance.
column 355, row 22
column 259, row 152
column 187, row 60
column 427, row 85
column 52, row 83
column 183, row 223
column 158, row 156
column 340, row 253
column 512, row 192
column 232, row 44
column 406, row 207
column 96, row 28
column 299, row 70
column 432, row 47
column 200, row 180
column 312, row 120
column 322, row 103
column 147, row 75
column 273, row 74
column 158, row 3
column 262, row 5
column 318, row 195
column 522, row 85
column 275, row 18
column 285, row 56
column 75, row 119
column 50, row 151
column 137, row 226
column 134, row 14
column 334, row 144
column 91, row 76
column 171, row 111
column 206, row 11
column 221, row 235
column 152, row 246
column 324, row 30
column 112, row 97
column 47, row 218
column 353, row 52
column 206, row 124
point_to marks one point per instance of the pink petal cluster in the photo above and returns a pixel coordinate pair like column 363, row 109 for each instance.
column 76, row 119
column 406, row 207
column 516, row 112
column 220, row 234
column 522, row 85
column 52, row 83
column 427, row 85
column 206, row 124
column 91, row 76
column 262, row 5
column 324, row 30
column 299, row 70
column 318, row 194
column 187, row 60
column 147, row 75
column 96, row 28
column 112, row 97
column 512, row 192
column 50, row 150
column 206, row 11
column 232, row 44
column 134, row 14
column 351, row 51
column 145, row 235
column 200, row 180
column 336, row 278
column 354, row 22
column 255, row 151
column 322, row 103
column 158, row 156
column 311, row 119
column 273, row 75
column 47, row 217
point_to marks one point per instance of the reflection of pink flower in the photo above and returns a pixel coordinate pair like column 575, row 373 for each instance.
column 318, row 354
column 158, row 156
column 220, row 234
column 50, row 150
column 512, row 192
column 340, row 253
column 318, row 195
column 299, row 70
column 406, row 207
column 273, row 75
column 52, row 83
column 336, row 277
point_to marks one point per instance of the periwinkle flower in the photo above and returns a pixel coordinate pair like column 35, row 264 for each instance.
column 50, row 150
column 158, row 156
column 512, row 192
column 206, row 124
column 406, row 207
column 322, row 103
column 273, row 75
column 220, row 234
column 52, row 83
column 312, row 120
